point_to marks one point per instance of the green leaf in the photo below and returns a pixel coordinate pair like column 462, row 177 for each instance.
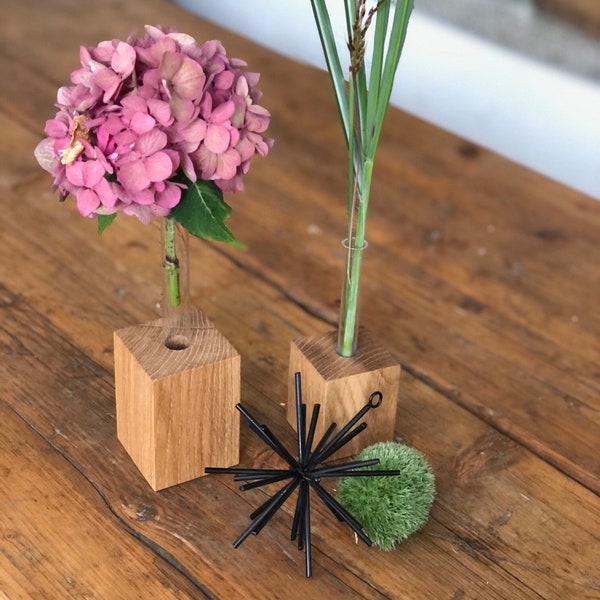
column 104, row 221
column 332, row 60
column 202, row 211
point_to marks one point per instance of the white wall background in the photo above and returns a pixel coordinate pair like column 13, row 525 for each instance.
column 546, row 119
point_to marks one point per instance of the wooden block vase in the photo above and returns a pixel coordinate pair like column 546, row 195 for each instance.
column 342, row 386
column 176, row 410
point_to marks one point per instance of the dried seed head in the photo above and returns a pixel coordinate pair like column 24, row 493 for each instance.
column 362, row 22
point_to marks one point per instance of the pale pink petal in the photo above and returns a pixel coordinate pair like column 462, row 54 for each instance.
column 151, row 142
column 158, row 166
column 209, row 48
column 206, row 106
column 106, row 193
column 234, row 135
column 189, row 79
column 169, row 197
column 257, row 118
column 224, row 80
column 141, row 123
column 45, row 155
column 91, row 173
column 222, row 113
column 107, row 80
column 174, row 158
column 123, row 60
column 217, row 138
column 74, row 173
column 231, row 185
column 160, row 110
column 205, row 162
column 170, row 63
column 87, row 202
column 187, row 166
column 104, row 51
column 143, row 213
column 84, row 56
column 227, row 165
column 251, row 78
column 134, row 103
column 182, row 109
column 159, row 211
column 63, row 96
column 241, row 87
column 182, row 38
column 56, row 128
column 154, row 32
column 246, row 148
column 145, row 197
column 133, row 177
column 194, row 133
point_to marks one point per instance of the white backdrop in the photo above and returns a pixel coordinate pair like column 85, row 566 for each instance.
column 543, row 118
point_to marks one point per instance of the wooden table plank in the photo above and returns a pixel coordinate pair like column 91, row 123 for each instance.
column 507, row 518
column 61, row 388
column 59, row 539
column 470, row 261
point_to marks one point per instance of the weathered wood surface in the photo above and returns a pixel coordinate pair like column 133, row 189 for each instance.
column 482, row 278
column 584, row 13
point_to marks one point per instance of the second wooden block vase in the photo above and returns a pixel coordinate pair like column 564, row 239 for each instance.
column 342, row 386
column 176, row 410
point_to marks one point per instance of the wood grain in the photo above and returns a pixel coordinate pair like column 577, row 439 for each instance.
column 176, row 409
column 58, row 537
column 584, row 13
column 481, row 279
column 343, row 386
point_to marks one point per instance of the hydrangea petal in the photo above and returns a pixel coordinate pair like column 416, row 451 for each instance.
column 133, row 177
column 123, row 59
column 45, row 155
column 92, row 173
column 227, row 164
column 141, row 123
column 106, row 193
column 189, row 79
column 158, row 166
column 87, row 202
column 169, row 197
column 217, row 138
column 161, row 111
column 151, row 142
column 74, row 172
column 223, row 112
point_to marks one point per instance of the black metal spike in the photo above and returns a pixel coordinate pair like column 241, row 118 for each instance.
column 305, row 472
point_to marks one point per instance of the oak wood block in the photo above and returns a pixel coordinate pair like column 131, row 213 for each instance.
column 176, row 410
column 342, row 386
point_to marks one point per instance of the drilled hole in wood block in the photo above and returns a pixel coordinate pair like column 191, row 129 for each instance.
column 177, row 342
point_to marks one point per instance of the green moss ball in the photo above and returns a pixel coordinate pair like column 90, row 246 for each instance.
column 390, row 508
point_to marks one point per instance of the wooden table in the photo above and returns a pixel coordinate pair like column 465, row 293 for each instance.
column 481, row 277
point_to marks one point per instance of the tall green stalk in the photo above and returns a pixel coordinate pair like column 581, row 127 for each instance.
column 362, row 102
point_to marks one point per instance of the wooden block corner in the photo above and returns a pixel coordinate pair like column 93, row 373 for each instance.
column 176, row 410
column 342, row 386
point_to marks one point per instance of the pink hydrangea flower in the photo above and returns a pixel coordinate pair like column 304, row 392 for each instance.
column 141, row 112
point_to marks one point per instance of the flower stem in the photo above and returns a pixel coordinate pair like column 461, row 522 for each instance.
column 355, row 244
column 171, row 264
column 362, row 104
